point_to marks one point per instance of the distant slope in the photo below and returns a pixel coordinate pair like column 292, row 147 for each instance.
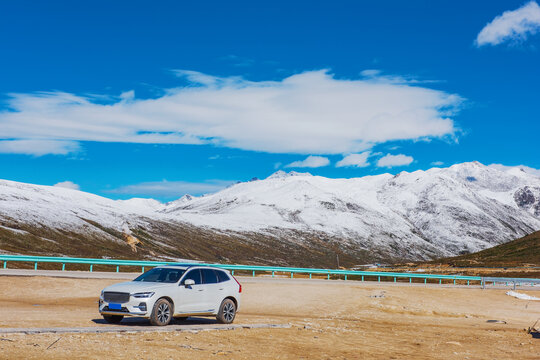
column 520, row 252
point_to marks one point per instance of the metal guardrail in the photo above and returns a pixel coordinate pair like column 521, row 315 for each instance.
column 255, row 268
column 509, row 281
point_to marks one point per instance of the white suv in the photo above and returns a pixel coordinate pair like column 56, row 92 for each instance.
column 173, row 291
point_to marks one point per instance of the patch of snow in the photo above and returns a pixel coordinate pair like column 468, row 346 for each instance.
column 13, row 230
column 521, row 296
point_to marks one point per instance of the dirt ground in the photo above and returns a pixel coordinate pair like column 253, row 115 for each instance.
column 329, row 320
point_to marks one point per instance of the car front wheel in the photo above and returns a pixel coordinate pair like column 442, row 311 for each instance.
column 227, row 312
column 161, row 313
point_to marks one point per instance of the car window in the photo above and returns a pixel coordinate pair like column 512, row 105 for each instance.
column 163, row 275
column 209, row 276
column 222, row 276
column 195, row 275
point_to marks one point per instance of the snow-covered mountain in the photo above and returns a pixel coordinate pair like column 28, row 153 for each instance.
column 424, row 214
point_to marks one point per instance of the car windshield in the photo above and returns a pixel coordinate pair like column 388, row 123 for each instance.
column 162, row 275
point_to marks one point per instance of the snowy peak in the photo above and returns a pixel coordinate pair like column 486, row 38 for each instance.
column 280, row 174
column 184, row 199
column 519, row 171
column 178, row 204
column 466, row 207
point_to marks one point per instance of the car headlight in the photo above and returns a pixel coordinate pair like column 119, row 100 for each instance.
column 143, row 295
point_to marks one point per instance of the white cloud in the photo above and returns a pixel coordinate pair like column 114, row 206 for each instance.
column 390, row 160
column 370, row 72
column 511, row 26
column 307, row 113
column 38, row 147
column 437, row 163
column 68, row 185
column 311, row 162
column 524, row 168
column 356, row 160
column 172, row 188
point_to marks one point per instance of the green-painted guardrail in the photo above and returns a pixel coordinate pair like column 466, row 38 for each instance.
column 251, row 268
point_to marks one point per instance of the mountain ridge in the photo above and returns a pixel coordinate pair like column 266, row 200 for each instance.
column 418, row 215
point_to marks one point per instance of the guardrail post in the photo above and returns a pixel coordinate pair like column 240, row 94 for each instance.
column 5, row 264
column 425, row 280
column 328, row 276
column 514, row 285
column 117, row 268
column 454, row 281
column 362, row 277
column 253, row 273
column 440, row 281
column 345, row 276
column 481, row 281
column 394, row 279
column 232, row 273
column 310, row 275
column 142, row 270
column 35, row 265
column 379, row 279
column 468, row 282
column 410, row 280
column 91, row 267
column 291, row 274
column 272, row 274
column 63, row 267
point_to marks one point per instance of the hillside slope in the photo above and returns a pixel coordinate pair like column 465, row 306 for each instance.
column 520, row 252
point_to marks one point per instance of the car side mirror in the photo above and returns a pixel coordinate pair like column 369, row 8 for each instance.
column 189, row 282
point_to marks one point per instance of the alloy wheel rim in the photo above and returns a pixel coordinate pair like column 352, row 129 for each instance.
column 228, row 312
column 163, row 313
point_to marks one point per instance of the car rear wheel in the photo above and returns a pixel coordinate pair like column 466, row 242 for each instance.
column 227, row 312
column 113, row 319
column 161, row 313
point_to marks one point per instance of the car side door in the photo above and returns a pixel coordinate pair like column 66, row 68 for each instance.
column 212, row 289
column 190, row 299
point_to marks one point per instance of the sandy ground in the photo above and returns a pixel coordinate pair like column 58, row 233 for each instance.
column 330, row 320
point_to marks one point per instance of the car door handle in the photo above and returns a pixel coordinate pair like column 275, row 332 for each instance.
column 221, row 288
column 200, row 290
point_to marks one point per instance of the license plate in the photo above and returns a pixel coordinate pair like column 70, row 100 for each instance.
column 115, row 306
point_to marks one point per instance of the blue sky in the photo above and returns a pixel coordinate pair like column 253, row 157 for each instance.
column 130, row 99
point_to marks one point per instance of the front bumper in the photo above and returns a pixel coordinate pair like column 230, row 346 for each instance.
column 134, row 307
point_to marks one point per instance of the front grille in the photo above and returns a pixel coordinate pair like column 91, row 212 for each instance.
column 106, row 308
column 115, row 297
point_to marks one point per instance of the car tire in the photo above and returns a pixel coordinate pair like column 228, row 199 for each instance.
column 113, row 319
column 162, row 313
column 227, row 312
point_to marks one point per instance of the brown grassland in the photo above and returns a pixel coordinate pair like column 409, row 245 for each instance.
column 329, row 320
